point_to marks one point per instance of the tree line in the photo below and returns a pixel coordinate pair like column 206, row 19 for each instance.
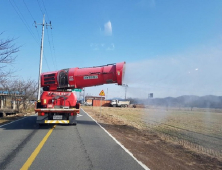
column 11, row 83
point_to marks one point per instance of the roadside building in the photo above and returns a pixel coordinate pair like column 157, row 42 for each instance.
column 89, row 99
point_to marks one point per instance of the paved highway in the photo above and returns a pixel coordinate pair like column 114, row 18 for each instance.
column 85, row 146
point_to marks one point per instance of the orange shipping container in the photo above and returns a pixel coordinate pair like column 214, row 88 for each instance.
column 104, row 103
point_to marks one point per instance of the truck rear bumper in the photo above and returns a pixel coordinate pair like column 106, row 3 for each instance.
column 57, row 121
column 44, row 120
column 57, row 110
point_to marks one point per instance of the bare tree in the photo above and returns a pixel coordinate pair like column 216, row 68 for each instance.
column 29, row 92
column 7, row 55
column 21, row 91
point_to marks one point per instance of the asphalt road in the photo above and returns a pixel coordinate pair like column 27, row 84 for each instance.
column 81, row 147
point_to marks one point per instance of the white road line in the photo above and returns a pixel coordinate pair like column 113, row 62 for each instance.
column 79, row 115
column 12, row 122
column 126, row 150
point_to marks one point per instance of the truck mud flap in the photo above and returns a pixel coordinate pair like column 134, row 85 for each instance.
column 41, row 119
column 72, row 120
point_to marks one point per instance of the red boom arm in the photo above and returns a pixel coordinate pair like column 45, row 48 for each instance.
column 82, row 77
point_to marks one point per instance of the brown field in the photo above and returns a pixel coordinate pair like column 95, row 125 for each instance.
column 199, row 129
column 188, row 139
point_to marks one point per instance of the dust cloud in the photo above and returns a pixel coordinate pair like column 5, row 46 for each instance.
column 196, row 73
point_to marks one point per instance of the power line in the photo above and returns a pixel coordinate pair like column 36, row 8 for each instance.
column 40, row 7
column 23, row 20
column 53, row 56
column 38, row 32
column 28, row 10
column 49, row 41
column 45, row 9
column 50, row 48
column 42, row 53
column 27, row 26
column 31, row 17
column 53, row 49
column 46, row 61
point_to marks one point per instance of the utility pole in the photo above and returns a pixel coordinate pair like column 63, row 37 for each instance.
column 107, row 94
column 125, row 85
column 41, row 52
column 84, row 90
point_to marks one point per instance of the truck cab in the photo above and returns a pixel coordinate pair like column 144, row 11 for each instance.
column 118, row 103
column 114, row 103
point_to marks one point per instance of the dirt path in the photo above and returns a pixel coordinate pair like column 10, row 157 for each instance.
column 152, row 150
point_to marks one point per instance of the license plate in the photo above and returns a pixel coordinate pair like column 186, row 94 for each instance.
column 57, row 117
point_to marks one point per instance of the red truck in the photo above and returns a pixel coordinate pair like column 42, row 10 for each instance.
column 58, row 104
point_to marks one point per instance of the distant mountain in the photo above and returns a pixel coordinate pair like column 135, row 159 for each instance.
column 209, row 101
column 117, row 98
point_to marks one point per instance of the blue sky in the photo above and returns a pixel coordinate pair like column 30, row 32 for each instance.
column 171, row 47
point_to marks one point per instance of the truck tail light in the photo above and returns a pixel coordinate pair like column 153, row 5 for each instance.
column 71, row 114
column 42, row 114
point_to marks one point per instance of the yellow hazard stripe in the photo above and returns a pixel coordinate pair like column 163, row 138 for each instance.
column 56, row 121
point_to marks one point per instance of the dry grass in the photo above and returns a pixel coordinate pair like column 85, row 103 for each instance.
column 12, row 117
column 4, row 120
column 120, row 116
column 198, row 121
column 200, row 127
